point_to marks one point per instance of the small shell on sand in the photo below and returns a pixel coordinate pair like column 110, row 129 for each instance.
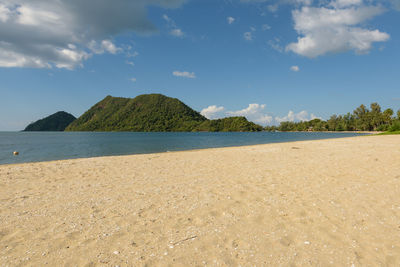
column 15, row 153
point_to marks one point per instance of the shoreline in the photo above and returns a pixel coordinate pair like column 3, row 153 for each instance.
column 308, row 203
column 196, row 149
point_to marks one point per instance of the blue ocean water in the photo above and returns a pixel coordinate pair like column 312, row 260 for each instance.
column 46, row 146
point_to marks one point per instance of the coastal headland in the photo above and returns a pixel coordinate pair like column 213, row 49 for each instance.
column 328, row 202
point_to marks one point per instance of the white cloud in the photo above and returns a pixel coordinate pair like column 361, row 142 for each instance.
column 213, row 112
column 166, row 18
column 334, row 28
column 301, row 116
column 230, row 20
column 174, row 30
column 254, row 113
column 345, row 3
column 248, row 36
column 303, row 2
column 33, row 16
column 289, row 117
column 48, row 33
column 313, row 117
column 184, row 74
column 295, row 68
column 265, row 27
column 273, row 8
column 177, row 33
column 103, row 47
column 70, row 56
column 110, row 47
column 4, row 13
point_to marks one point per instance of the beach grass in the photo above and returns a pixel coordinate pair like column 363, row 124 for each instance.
column 389, row 133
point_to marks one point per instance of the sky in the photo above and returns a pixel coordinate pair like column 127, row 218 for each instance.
column 268, row 60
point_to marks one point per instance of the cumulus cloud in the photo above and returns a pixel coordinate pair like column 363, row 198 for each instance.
column 295, row 68
column 103, row 47
column 64, row 33
column 230, row 20
column 301, row 116
column 313, row 117
column 213, row 112
column 184, row 74
column 4, row 12
column 254, row 112
column 335, row 28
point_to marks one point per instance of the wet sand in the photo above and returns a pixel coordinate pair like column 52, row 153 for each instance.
column 329, row 202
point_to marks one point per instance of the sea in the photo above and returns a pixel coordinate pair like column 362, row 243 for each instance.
column 48, row 146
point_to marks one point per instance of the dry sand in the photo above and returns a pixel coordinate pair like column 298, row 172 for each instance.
column 314, row 203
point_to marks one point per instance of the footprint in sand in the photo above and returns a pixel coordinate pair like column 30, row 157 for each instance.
column 286, row 241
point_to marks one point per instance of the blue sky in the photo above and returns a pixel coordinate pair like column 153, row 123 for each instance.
column 268, row 60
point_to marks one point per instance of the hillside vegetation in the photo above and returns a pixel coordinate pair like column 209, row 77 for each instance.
column 231, row 124
column 56, row 122
column 152, row 113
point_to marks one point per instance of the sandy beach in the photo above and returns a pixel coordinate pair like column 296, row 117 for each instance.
column 331, row 202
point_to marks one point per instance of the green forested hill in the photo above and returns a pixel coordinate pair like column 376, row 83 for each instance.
column 56, row 122
column 231, row 124
column 152, row 113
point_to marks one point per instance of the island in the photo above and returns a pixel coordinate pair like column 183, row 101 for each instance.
column 53, row 123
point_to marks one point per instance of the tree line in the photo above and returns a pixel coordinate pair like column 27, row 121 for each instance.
column 362, row 119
